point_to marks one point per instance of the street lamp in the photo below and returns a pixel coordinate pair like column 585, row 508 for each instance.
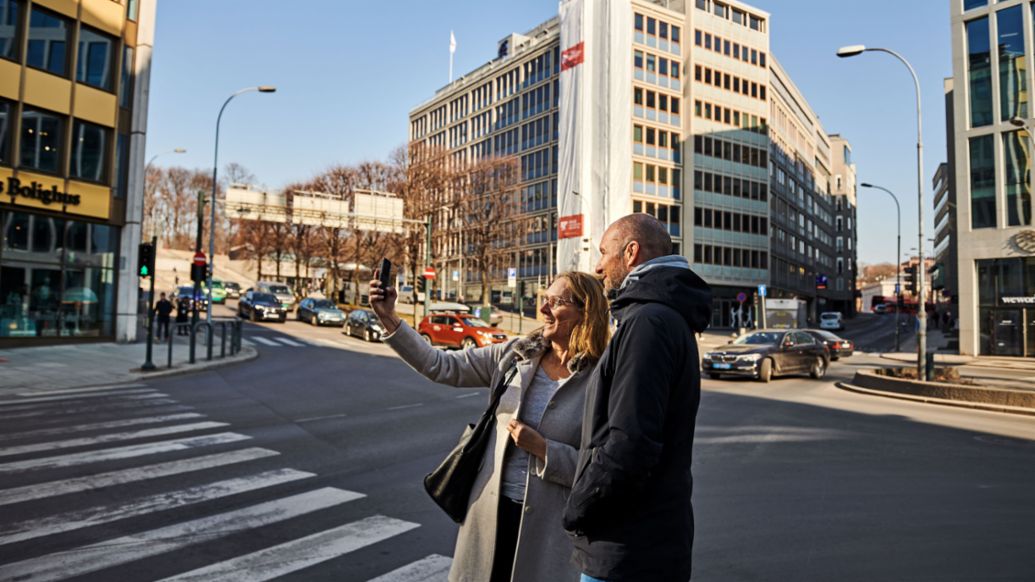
column 212, row 215
column 921, row 343
column 898, row 259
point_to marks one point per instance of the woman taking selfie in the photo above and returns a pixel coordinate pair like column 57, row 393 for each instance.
column 512, row 530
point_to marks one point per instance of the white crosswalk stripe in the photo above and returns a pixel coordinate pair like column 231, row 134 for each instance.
column 301, row 553
column 109, row 438
column 434, row 568
column 136, row 392
column 99, row 426
column 290, row 342
column 74, row 459
column 56, row 392
column 51, row 412
column 111, row 478
column 265, row 341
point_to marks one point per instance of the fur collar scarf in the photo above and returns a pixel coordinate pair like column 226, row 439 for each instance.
column 534, row 346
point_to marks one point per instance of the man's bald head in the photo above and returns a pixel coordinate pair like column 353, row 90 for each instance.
column 646, row 230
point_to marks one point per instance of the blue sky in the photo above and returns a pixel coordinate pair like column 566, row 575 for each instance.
column 348, row 73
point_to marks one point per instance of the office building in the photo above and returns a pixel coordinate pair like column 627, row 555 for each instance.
column 663, row 108
column 73, row 86
column 992, row 147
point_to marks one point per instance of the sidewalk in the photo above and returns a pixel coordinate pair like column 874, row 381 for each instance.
column 82, row 365
column 936, row 341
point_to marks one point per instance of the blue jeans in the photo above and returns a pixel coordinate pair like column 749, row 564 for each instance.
column 588, row 578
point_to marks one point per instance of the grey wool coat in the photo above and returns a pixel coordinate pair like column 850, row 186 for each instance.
column 544, row 550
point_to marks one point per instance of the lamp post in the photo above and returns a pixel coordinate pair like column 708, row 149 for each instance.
column 212, row 210
column 921, row 335
column 898, row 259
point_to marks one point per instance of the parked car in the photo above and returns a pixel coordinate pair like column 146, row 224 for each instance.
column 363, row 323
column 831, row 320
column 187, row 291
column 233, row 290
column 218, row 292
column 320, row 312
column 458, row 330
column 765, row 354
column 259, row 306
column 836, row 345
column 280, row 290
column 406, row 294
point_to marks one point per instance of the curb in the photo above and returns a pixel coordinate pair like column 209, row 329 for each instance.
column 246, row 354
column 938, row 401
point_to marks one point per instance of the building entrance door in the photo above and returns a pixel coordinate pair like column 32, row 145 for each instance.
column 1009, row 332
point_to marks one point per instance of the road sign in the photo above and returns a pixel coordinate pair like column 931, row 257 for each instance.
column 199, row 259
column 429, row 272
column 512, row 278
column 761, row 290
column 741, row 297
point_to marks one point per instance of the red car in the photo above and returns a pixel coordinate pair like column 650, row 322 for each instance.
column 458, row 330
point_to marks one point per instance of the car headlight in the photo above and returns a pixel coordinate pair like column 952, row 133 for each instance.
column 749, row 358
column 708, row 355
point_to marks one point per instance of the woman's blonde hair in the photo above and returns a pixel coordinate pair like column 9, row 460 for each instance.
column 589, row 337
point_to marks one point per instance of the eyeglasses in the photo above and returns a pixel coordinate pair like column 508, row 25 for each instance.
column 553, row 302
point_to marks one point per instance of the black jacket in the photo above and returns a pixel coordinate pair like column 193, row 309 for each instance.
column 629, row 509
column 163, row 308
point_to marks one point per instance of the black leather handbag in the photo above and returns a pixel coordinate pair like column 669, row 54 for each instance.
column 450, row 484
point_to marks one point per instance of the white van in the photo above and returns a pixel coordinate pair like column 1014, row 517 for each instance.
column 831, row 320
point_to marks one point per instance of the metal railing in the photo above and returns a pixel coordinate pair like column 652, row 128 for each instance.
column 230, row 325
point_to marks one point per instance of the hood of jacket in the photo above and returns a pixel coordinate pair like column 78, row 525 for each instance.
column 668, row 281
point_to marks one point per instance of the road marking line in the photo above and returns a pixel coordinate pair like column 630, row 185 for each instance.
column 315, row 418
column 111, row 393
column 55, row 524
column 405, row 406
column 434, row 568
column 49, row 412
column 108, row 553
column 295, row 555
column 468, row 395
column 130, row 451
column 265, row 341
column 81, row 390
column 290, row 342
column 99, row 426
column 111, row 478
column 110, row 438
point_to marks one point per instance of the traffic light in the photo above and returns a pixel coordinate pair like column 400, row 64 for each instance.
column 146, row 256
column 421, row 284
column 911, row 279
column 197, row 273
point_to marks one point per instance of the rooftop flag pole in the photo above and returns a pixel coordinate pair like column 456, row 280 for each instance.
column 452, row 51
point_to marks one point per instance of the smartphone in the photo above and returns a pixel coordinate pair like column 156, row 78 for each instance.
column 385, row 274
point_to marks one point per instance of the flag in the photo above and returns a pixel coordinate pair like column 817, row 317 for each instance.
column 452, row 43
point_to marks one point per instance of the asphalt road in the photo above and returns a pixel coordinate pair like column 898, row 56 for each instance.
column 306, row 464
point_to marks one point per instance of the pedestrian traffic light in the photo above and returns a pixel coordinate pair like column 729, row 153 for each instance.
column 146, row 255
column 197, row 273
column 421, row 284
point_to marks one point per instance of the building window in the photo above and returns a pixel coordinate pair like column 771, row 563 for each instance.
column 96, row 58
column 972, row 4
column 6, row 110
column 133, row 9
column 982, row 182
column 979, row 63
column 126, row 80
column 89, row 151
column 1018, row 196
column 42, row 138
column 1013, row 93
column 9, row 20
column 48, row 42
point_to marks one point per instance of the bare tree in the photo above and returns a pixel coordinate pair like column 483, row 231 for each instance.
column 424, row 178
column 487, row 208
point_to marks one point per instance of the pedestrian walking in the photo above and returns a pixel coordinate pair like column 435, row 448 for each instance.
column 629, row 511
column 512, row 530
column 182, row 316
column 163, row 309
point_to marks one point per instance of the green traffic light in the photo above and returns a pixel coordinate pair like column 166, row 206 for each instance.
column 144, row 271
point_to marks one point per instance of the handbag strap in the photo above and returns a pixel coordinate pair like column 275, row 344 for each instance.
column 501, row 387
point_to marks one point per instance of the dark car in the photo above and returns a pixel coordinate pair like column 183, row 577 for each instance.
column 838, row 346
column 767, row 353
column 320, row 312
column 363, row 323
column 258, row 306
column 187, row 292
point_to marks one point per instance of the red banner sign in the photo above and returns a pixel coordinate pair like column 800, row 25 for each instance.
column 569, row 226
column 573, row 56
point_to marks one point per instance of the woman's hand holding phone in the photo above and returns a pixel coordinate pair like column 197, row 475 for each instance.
column 382, row 301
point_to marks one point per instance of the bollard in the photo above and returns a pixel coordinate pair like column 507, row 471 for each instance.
column 169, row 363
column 222, row 339
column 929, row 366
column 193, row 336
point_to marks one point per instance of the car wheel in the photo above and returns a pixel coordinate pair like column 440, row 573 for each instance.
column 714, row 376
column 765, row 370
column 818, row 369
column 834, row 358
column 468, row 343
column 283, row 318
column 426, row 338
column 255, row 318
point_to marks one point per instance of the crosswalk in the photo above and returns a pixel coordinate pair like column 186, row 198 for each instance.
column 127, row 483
column 277, row 341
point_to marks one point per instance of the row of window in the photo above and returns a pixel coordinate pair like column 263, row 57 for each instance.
column 729, row 116
column 656, row 27
column 732, row 221
column 667, row 214
column 735, row 14
column 730, row 186
column 43, row 143
column 732, row 49
column 538, row 164
column 538, row 100
column 656, row 137
column 542, row 67
column 656, row 100
column 723, row 80
column 536, row 133
column 652, row 174
column 730, row 257
column 730, row 151
column 539, row 196
column 51, row 38
column 654, row 64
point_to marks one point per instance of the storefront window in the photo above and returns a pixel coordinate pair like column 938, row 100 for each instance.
column 1006, row 300
column 60, row 285
column 42, row 137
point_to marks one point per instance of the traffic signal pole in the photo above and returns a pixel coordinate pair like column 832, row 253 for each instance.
column 148, row 364
column 427, row 263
